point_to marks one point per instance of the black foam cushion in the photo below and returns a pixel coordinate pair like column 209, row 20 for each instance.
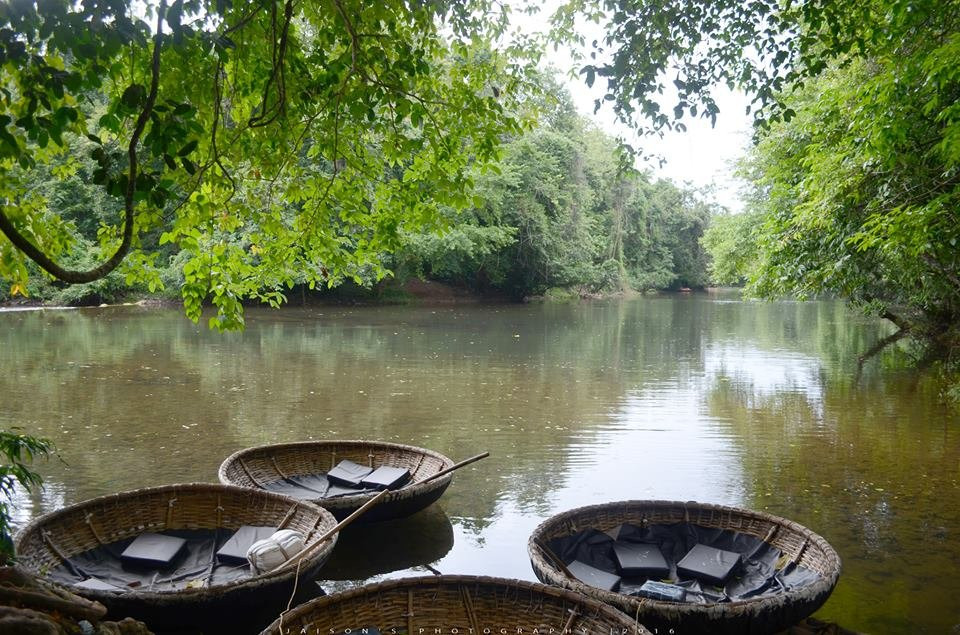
column 639, row 559
column 155, row 550
column 593, row 576
column 348, row 473
column 386, row 477
column 708, row 564
column 234, row 550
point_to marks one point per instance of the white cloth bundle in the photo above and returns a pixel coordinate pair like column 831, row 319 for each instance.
column 269, row 553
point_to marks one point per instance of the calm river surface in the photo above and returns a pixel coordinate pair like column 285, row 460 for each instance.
column 702, row 397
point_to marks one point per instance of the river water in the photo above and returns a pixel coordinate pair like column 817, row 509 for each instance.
column 697, row 397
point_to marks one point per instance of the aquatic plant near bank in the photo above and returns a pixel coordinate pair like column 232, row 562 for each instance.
column 17, row 452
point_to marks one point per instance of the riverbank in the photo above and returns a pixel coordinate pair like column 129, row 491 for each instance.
column 390, row 292
column 29, row 606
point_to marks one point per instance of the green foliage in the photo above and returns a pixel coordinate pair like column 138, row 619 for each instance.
column 857, row 195
column 558, row 212
column 731, row 241
column 681, row 50
column 231, row 151
column 17, row 452
column 558, row 294
column 860, row 191
column 662, row 248
column 856, row 168
column 67, row 191
column 458, row 254
column 272, row 143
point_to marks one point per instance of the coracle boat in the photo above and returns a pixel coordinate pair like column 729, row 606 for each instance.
column 452, row 604
column 294, row 469
column 779, row 574
column 83, row 549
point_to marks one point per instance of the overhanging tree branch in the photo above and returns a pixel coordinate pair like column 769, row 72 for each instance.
column 78, row 277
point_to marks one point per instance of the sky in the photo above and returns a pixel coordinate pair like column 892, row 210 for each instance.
column 702, row 155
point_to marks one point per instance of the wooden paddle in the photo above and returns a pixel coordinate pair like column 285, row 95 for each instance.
column 472, row 459
column 338, row 527
column 554, row 558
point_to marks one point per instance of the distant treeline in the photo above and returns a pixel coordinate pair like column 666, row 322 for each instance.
column 559, row 213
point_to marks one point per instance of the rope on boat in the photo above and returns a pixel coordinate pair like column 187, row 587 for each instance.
column 289, row 517
column 471, row 614
column 273, row 459
column 573, row 616
column 410, row 611
column 170, row 505
column 249, row 474
column 87, row 518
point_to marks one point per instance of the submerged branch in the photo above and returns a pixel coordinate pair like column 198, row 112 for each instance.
column 879, row 346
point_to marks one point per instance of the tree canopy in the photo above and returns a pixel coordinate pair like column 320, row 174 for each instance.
column 664, row 60
column 270, row 141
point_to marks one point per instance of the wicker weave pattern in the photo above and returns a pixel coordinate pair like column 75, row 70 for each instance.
column 456, row 602
column 46, row 541
column 258, row 466
column 755, row 615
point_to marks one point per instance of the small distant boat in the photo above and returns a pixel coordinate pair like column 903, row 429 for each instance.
column 464, row 603
column 82, row 544
column 765, row 613
column 283, row 467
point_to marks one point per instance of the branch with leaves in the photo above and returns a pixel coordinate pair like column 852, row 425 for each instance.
column 407, row 89
column 76, row 277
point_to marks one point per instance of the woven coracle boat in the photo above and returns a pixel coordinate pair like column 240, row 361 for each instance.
column 268, row 466
column 455, row 604
column 800, row 549
column 81, row 543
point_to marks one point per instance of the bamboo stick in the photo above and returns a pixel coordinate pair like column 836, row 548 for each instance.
column 554, row 557
column 338, row 527
column 456, row 467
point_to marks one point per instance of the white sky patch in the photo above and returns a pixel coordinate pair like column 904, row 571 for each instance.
column 702, row 156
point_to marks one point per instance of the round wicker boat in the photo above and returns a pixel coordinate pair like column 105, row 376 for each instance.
column 766, row 614
column 452, row 604
column 50, row 540
column 259, row 466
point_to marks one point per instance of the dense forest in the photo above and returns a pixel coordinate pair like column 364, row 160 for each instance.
column 559, row 212
column 556, row 212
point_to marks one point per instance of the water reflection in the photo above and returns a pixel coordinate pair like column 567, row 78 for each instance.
column 376, row 549
column 694, row 398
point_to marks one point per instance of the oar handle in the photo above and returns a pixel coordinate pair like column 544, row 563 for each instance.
column 338, row 527
column 554, row 557
column 352, row 517
column 456, row 467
